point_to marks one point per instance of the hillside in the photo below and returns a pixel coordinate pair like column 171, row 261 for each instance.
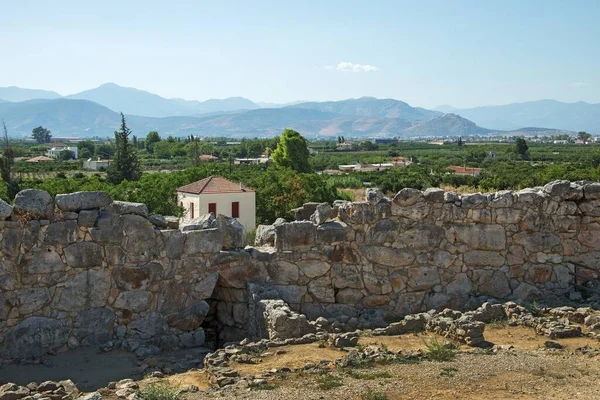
column 371, row 107
column 446, row 125
column 580, row 116
column 13, row 93
column 139, row 102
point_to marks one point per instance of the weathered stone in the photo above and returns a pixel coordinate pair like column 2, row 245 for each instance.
column 484, row 258
column 5, row 209
column 492, row 283
column 233, row 233
column 333, row 231
column 82, row 201
column 407, row 197
column 85, row 290
column 460, row 286
column 138, row 278
column 281, row 322
column 87, row 218
column 126, row 207
column 592, row 191
column 34, row 337
column 32, row 299
column 346, row 276
column 389, row 256
column 321, row 290
column 42, row 261
column 189, row 319
column 95, row 326
column 159, row 221
column 283, row 272
column 83, row 255
column 174, row 241
column 373, row 195
column 140, row 240
column 202, row 241
column 265, row 235
column 423, row 278
column 151, row 325
column 108, row 229
column 295, row 235
column 348, row 296
column 480, row 237
column 61, row 233
column 135, row 300
column 290, row 293
column 303, row 213
column 434, row 195
column 314, row 268
column 322, row 213
column 422, row 237
column 537, row 241
column 33, row 203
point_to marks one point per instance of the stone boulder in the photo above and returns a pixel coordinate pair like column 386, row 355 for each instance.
column 34, row 337
column 322, row 213
column 265, row 236
column 5, row 209
column 373, row 195
column 189, row 319
column 303, row 213
column 295, row 235
column 280, row 322
column 207, row 221
column 232, row 231
column 34, row 203
column 82, row 201
column 126, row 207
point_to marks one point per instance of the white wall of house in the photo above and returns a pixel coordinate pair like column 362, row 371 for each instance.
column 200, row 205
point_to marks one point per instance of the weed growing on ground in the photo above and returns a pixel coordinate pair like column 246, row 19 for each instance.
column 498, row 324
column 439, row 351
column 448, row 371
column 368, row 376
column 328, row 382
column 159, row 391
column 535, row 309
column 373, row 395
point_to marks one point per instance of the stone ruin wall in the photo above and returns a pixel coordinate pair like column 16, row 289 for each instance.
column 84, row 270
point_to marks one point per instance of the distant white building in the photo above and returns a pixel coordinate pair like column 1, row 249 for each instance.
column 259, row 160
column 54, row 152
column 218, row 195
column 96, row 165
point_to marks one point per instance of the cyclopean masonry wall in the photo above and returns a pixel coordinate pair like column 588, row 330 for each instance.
column 84, row 270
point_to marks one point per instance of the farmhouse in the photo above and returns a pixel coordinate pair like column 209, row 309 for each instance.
column 96, row 165
column 458, row 170
column 218, row 195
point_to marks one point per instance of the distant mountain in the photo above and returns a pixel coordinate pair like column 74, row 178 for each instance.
column 534, row 131
column 13, row 93
column 3, row 101
column 142, row 103
column 279, row 105
column 580, row 116
column 446, row 125
column 372, row 107
column 446, row 109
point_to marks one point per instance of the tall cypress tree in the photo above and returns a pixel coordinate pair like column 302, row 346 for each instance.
column 125, row 165
column 6, row 162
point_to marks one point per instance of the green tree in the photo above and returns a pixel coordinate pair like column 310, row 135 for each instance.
column 126, row 165
column 6, row 163
column 41, row 134
column 152, row 138
column 292, row 151
column 105, row 151
column 522, row 149
column 584, row 136
column 66, row 155
column 86, row 148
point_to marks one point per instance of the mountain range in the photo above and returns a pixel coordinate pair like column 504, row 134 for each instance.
column 95, row 113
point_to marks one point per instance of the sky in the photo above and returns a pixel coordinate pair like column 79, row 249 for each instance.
column 427, row 53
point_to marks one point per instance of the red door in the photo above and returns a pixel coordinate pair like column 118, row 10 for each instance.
column 235, row 209
column 212, row 208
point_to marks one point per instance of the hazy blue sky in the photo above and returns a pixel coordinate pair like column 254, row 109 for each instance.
column 464, row 53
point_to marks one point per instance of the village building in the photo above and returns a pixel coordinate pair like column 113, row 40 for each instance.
column 55, row 151
column 39, row 159
column 96, row 165
column 218, row 195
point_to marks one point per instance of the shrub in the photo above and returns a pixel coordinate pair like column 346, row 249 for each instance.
column 328, row 382
column 159, row 391
column 373, row 395
column 439, row 351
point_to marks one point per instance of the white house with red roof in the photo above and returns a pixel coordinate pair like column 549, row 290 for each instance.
column 218, row 195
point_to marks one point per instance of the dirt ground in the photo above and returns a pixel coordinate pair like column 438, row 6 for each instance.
column 87, row 368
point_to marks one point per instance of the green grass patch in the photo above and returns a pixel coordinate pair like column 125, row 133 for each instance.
column 159, row 391
column 328, row 382
column 439, row 351
column 373, row 395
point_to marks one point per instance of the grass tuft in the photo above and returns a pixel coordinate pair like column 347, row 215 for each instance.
column 373, row 395
column 159, row 391
column 328, row 382
column 439, row 351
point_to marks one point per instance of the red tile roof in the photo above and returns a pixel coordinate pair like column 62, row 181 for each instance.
column 214, row 185
column 464, row 170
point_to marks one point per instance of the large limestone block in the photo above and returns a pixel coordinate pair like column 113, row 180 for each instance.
column 61, row 233
column 146, row 327
column 33, row 299
column 140, row 240
column 89, row 288
column 282, row 272
column 233, row 233
column 5, row 209
column 349, row 296
column 83, row 255
column 108, row 229
column 422, row 237
column 95, row 326
column 82, row 200
column 460, row 286
column 479, row 236
column 174, row 241
column 127, row 207
column 321, row 290
column 314, row 268
column 135, row 300
column 333, row 231
column 346, row 276
column 423, row 278
column 383, row 231
column 389, row 256
column 484, row 258
column 591, row 191
column 34, row 203
column 34, row 337
column 295, row 235
column 537, row 241
column 265, row 235
column 492, row 283
column 281, row 322
column 189, row 319
column 358, row 213
column 322, row 213
column 203, row 241
column 138, row 277
column 40, row 260
column 408, row 197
